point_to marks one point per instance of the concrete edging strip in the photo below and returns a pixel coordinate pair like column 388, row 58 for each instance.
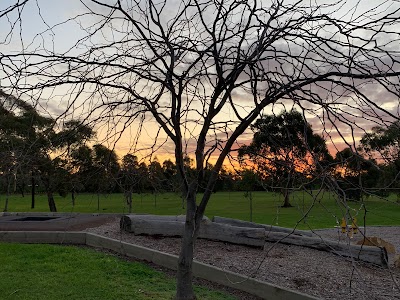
column 252, row 286
column 44, row 237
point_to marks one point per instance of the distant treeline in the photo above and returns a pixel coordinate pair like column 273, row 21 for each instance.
column 40, row 155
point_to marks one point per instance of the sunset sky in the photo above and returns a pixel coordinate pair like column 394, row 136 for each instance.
column 38, row 16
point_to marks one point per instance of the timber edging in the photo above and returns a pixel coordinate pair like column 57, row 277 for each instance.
column 240, row 282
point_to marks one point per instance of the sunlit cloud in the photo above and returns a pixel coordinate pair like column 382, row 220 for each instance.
column 118, row 131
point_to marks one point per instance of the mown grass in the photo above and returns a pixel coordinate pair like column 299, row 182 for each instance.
column 322, row 210
column 66, row 272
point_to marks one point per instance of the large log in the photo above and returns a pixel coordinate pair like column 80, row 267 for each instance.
column 126, row 220
column 232, row 234
column 174, row 226
column 167, row 226
column 139, row 226
column 180, row 218
column 240, row 223
column 375, row 255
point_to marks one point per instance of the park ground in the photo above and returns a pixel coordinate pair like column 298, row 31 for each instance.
column 323, row 210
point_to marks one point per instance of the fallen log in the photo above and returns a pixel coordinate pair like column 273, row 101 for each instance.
column 139, row 225
column 232, row 234
column 240, row 223
column 180, row 218
column 375, row 255
column 126, row 220
column 173, row 226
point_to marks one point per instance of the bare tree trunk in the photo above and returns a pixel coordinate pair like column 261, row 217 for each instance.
column 15, row 182
column 251, row 206
column 7, row 195
column 33, row 190
column 21, row 189
column 50, row 200
column 6, row 205
column 185, row 272
column 184, row 289
column 289, row 184
column 286, row 200
column 73, row 196
column 130, row 201
column 128, row 198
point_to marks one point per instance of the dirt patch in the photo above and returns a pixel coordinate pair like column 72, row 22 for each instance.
column 53, row 221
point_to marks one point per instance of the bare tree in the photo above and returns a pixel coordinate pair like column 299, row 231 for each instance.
column 204, row 70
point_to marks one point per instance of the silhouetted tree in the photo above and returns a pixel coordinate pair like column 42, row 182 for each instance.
column 284, row 150
column 129, row 177
column 382, row 144
column 352, row 171
column 171, row 182
column 105, row 168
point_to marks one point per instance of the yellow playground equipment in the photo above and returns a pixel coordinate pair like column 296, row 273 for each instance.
column 349, row 229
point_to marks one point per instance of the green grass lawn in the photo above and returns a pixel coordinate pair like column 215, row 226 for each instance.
column 66, row 272
column 320, row 211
